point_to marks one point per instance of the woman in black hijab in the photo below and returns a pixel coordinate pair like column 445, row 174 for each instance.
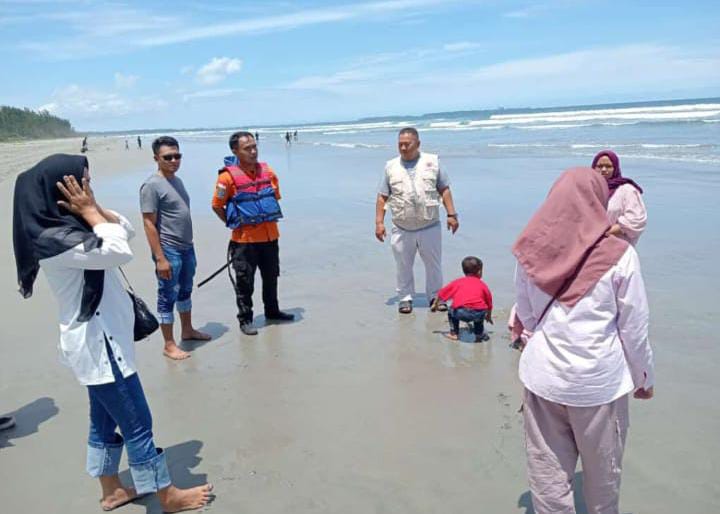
column 59, row 227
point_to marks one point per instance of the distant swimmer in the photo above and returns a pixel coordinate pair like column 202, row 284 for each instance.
column 127, row 147
column 139, row 142
column 412, row 187
column 84, row 146
column 626, row 208
column 295, row 136
column 288, row 139
column 257, row 137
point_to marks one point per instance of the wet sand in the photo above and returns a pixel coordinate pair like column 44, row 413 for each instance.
column 352, row 408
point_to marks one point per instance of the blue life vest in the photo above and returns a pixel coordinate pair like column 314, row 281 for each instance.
column 254, row 201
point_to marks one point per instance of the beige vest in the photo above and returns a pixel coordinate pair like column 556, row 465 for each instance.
column 414, row 203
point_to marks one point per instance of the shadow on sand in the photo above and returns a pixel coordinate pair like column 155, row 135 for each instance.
column 215, row 329
column 28, row 420
column 419, row 300
column 299, row 313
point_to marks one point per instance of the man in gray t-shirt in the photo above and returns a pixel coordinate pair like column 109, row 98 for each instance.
column 165, row 207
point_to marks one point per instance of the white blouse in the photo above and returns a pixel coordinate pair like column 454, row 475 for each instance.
column 82, row 344
column 626, row 208
column 595, row 352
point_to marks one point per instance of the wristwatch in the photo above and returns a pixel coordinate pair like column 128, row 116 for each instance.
column 452, row 215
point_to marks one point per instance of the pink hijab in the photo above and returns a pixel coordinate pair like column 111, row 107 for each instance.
column 563, row 248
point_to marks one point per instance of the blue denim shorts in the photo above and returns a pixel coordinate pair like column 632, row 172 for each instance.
column 177, row 290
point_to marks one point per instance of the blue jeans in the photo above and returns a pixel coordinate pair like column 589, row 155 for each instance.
column 122, row 404
column 178, row 289
column 476, row 317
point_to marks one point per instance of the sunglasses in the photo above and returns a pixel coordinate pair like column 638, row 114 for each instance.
column 172, row 157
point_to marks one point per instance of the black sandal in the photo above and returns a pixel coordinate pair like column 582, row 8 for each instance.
column 405, row 307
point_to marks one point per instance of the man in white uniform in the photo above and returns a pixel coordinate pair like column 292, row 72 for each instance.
column 412, row 187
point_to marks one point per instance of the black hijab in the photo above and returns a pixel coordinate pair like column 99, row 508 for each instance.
column 42, row 229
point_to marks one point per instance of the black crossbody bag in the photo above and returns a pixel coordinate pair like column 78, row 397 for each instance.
column 145, row 321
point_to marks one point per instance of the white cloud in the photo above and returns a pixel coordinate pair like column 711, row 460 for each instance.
column 541, row 8
column 401, row 84
column 211, row 93
column 293, row 20
column 335, row 79
column 461, row 46
column 75, row 101
column 125, row 81
column 217, row 70
column 102, row 28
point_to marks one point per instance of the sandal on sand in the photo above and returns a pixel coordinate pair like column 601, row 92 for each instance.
column 438, row 305
column 405, row 307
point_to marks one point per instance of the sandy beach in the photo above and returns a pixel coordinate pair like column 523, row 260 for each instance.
column 354, row 408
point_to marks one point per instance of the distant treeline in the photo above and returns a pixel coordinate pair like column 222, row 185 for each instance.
column 27, row 124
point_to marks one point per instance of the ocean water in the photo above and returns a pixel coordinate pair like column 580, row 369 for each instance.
column 682, row 131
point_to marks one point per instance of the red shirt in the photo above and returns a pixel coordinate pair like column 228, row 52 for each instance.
column 469, row 291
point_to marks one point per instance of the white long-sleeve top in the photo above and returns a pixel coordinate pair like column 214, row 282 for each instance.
column 82, row 344
column 627, row 209
column 594, row 352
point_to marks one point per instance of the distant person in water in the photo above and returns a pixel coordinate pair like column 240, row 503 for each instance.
column 59, row 227
column 165, row 206
column 288, row 138
column 139, row 142
column 257, row 137
column 626, row 208
column 413, row 185
column 295, row 136
column 127, row 147
column 84, row 146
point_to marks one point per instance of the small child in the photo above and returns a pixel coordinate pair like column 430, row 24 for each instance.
column 471, row 300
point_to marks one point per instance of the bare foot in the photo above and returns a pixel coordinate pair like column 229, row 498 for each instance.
column 173, row 499
column 174, row 352
column 452, row 336
column 196, row 335
column 117, row 498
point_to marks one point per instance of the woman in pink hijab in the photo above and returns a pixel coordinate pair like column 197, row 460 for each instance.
column 581, row 294
column 626, row 209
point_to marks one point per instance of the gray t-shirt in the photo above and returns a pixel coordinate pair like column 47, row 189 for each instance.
column 443, row 180
column 168, row 199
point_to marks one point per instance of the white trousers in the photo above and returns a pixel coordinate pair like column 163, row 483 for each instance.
column 428, row 243
column 555, row 435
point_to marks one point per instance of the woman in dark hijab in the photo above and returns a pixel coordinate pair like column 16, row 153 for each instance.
column 626, row 209
column 59, row 227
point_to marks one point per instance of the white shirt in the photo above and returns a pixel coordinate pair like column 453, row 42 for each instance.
column 595, row 352
column 82, row 344
column 626, row 208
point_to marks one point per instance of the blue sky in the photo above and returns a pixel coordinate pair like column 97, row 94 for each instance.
column 113, row 65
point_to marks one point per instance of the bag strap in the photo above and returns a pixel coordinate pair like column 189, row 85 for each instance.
column 126, row 280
